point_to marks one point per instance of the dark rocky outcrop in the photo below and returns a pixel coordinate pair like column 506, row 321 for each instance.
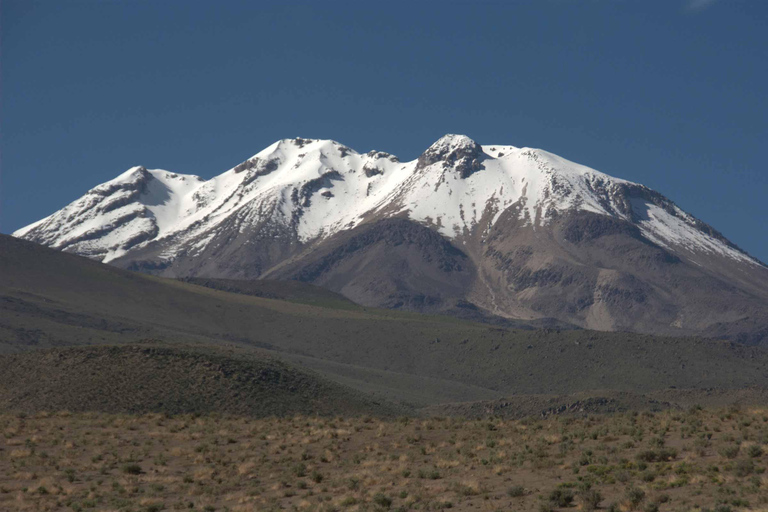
column 456, row 152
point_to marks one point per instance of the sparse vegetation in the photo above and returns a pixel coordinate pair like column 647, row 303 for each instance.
column 99, row 461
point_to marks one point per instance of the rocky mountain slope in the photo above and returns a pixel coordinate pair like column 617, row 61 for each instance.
column 465, row 229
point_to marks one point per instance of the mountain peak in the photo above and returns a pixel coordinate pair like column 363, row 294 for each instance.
column 453, row 140
column 453, row 144
column 456, row 151
column 137, row 171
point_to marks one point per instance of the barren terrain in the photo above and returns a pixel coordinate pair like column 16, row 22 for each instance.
column 675, row 460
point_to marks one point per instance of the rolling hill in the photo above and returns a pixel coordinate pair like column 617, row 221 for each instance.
column 53, row 299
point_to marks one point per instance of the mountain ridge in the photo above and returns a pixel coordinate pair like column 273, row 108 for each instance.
column 518, row 232
column 453, row 152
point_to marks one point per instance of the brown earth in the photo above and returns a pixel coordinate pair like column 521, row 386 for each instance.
column 703, row 460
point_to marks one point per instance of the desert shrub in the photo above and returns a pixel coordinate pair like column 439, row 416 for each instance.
column 700, row 446
column 635, row 497
column 744, row 467
column 729, row 452
column 755, row 451
column 516, row 491
column 561, row 497
column 431, row 475
column 132, row 469
column 590, row 499
column 382, row 500
column 465, row 490
column 300, row 470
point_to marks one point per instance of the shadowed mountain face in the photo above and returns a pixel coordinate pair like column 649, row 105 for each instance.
column 394, row 263
column 491, row 233
column 601, row 273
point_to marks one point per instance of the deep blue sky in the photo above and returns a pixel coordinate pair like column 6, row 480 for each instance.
column 669, row 93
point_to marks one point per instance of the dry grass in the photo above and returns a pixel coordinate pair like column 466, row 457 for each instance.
column 683, row 461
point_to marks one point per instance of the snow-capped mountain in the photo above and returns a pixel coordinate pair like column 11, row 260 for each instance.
column 494, row 229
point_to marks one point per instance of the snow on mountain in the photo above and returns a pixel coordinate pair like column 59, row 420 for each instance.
column 137, row 206
column 316, row 188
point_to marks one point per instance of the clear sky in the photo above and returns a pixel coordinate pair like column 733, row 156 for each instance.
column 668, row 93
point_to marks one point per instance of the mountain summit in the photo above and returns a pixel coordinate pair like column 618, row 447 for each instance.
column 468, row 229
